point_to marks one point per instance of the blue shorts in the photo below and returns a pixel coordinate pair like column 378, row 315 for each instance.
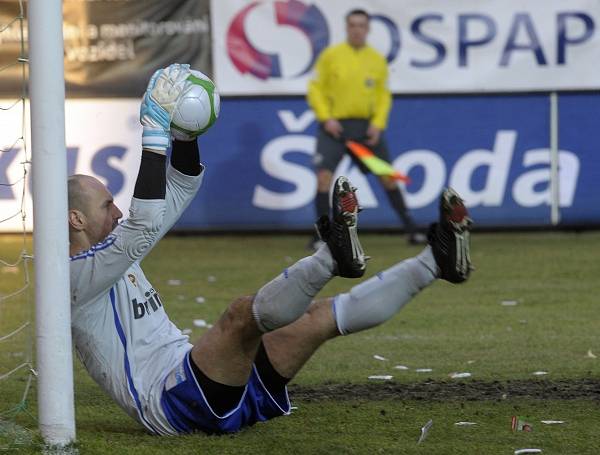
column 187, row 410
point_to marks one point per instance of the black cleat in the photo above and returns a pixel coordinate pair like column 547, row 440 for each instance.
column 450, row 238
column 340, row 232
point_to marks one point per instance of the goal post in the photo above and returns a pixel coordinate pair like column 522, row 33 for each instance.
column 50, row 232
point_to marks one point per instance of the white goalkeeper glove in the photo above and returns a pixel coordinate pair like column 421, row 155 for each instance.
column 160, row 99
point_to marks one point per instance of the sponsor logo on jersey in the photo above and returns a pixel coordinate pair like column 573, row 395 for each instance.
column 148, row 306
column 132, row 278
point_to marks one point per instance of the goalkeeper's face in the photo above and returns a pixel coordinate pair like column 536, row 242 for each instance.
column 99, row 214
column 103, row 215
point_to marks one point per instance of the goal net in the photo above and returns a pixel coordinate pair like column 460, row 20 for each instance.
column 16, row 303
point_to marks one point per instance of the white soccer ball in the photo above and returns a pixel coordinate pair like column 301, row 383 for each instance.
column 197, row 108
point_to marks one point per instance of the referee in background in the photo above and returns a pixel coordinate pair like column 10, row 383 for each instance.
column 351, row 100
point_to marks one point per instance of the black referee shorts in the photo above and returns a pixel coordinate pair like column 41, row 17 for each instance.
column 330, row 151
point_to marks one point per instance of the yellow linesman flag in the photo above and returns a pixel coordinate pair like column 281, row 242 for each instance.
column 374, row 164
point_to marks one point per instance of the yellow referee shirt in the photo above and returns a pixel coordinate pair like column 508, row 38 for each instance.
column 350, row 83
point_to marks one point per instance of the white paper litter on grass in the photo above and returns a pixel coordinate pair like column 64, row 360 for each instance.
column 379, row 357
column 524, row 451
column 470, row 362
column 186, row 331
column 174, row 282
column 10, row 269
column 460, row 375
column 465, row 424
column 425, row 431
column 590, row 354
column 509, row 303
column 539, row 373
column 381, row 377
column 552, row 422
column 424, row 370
column 200, row 299
column 211, row 278
column 200, row 323
column 401, row 367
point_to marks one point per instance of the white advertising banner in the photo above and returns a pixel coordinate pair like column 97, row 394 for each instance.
column 103, row 139
column 432, row 46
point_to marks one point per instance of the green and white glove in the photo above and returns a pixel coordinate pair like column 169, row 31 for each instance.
column 160, row 99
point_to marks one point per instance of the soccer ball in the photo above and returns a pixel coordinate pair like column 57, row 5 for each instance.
column 197, row 108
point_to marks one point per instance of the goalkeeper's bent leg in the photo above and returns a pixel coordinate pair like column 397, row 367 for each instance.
column 287, row 297
column 376, row 300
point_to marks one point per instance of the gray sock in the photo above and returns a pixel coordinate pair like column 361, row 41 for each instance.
column 376, row 300
column 287, row 297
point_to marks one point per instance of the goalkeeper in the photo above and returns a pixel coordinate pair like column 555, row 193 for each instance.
column 236, row 373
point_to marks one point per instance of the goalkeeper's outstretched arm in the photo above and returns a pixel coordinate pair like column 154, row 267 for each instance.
column 102, row 259
column 184, row 178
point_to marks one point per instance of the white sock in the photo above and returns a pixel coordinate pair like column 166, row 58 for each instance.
column 376, row 300
column 287, row 297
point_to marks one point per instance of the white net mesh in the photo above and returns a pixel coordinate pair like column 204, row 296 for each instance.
column 16, row 312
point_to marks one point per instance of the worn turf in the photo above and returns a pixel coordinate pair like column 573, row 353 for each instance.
column 471, row 390
column 553, row 328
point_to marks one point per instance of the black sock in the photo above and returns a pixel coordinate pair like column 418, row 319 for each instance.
column 322, row 204
column 221, row 398
column 322, row 208
column 397, row 203
column 269, row 376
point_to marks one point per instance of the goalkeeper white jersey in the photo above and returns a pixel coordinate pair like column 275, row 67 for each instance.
column 121, row 331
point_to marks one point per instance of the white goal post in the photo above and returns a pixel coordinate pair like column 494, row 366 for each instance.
column 50, row 232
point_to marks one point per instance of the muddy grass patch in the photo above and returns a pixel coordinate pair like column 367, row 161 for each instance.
column 431, row 390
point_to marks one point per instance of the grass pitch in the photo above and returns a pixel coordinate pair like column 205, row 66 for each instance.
column 551, row 324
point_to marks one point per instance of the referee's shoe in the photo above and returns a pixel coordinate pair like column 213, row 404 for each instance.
column 450, row 238
column 340, row 232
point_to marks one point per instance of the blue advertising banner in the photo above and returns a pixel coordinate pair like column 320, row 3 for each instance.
column 494, row 150
column 579, row 132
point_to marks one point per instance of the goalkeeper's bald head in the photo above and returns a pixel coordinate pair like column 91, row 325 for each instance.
column 92, row 212
column 77, row 192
